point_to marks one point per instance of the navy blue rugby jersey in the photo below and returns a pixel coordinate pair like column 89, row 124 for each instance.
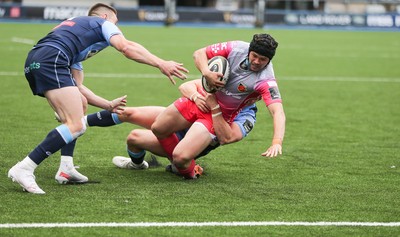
column 81, row 37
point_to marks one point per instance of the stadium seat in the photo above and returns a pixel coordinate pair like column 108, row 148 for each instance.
column 356, row 8
column 334, row 7
column 375, row 9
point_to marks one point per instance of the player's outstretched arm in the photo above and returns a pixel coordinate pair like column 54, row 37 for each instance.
column 140, row 54
column 279, row 120
column 115, row 105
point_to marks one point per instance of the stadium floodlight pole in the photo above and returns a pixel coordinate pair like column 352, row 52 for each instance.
column 259, row 9
column 170, row 10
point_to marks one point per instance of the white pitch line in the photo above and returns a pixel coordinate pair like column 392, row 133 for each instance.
column 293, row 78
column 197, row 224
column 342, row 79
column 22, row 40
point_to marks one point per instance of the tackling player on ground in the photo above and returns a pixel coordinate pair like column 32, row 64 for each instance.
column 141, row 140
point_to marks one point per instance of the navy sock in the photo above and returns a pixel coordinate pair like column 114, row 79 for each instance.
column 102, row 119
column 137, row 158
column 68, row 149
column 51, row 144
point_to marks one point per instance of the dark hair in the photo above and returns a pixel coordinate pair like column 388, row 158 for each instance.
column 96, row 9
column 264, row 44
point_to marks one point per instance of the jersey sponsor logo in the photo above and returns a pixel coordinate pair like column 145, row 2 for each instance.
column 274, row 91
column 91, row 53
column 32, row 66
column 248, row 126
column 65, row 23
column 242, row 87
column 226, row 92
column 220, row 46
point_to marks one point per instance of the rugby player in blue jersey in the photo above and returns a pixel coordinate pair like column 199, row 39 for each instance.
column 53, row 69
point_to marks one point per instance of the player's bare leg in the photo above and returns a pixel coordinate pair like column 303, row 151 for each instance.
column 71, row 112
column 67, row 172
column 195, row 141
column 165, row 126
column 138, row 142
column 141, row 116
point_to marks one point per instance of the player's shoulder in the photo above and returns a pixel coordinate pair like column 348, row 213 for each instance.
column 267, row 73
column 87, row 19
column 239, row 49
column 242, row 43
column 238, row 44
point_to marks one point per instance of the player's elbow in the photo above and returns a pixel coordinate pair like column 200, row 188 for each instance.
column 200, row 53
column 196, row 54
column 181, row 88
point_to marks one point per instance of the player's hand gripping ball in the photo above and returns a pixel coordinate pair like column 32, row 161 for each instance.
column 216, row 64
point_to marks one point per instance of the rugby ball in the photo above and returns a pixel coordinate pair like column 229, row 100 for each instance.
column 216, row 64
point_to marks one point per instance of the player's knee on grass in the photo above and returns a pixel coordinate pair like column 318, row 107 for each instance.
column 181, row 158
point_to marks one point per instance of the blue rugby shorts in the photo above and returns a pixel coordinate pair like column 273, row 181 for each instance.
column 47, row 68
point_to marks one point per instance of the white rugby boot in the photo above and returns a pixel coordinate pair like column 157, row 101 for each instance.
column 126, row 163
column 71, row 175
column 25, row 178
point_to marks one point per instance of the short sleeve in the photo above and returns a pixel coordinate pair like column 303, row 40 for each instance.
column 109, row 29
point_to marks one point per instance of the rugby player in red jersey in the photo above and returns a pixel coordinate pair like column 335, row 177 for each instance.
column 251, row 78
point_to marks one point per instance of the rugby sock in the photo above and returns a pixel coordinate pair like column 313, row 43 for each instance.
column 54, row 141
column 169, row 144
column 137, row 158
column 102, row 119
column 189, row 172
column 68, row 150
column 67, row 153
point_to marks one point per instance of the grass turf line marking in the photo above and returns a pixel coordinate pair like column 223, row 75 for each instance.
column 22, row 40
column 198, row 224
column 283, row 78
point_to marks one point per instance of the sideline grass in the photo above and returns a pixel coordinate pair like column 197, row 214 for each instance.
column 341, row 151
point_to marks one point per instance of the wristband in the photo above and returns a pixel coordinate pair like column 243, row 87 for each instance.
column 217, row 114
column 216, row 107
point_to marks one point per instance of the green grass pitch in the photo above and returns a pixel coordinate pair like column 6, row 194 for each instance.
column 341, row 160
